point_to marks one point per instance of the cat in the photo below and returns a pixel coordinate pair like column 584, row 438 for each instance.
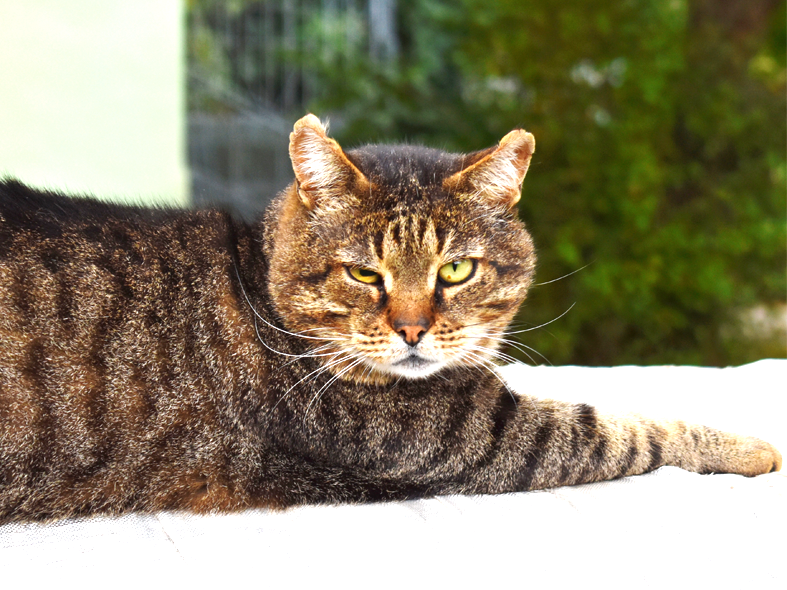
column 338, row 350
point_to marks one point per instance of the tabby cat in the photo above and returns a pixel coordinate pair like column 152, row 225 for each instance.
column 338, row 350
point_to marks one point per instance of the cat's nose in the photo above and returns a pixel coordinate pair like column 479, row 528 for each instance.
column 412, row 331
column 412, row 334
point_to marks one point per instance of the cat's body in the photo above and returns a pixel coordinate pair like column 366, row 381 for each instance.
column 336, row 351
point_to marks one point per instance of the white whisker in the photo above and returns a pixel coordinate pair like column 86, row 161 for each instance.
column 514, row 344
column 560, row 278
column 296, row 356
column 358, row 360
column 492, row 369
column 519, row 346
column 256, row 313
column 539, row 326
column 313, row 354
column 496, row 354
column 325, row 367
column 480, row 361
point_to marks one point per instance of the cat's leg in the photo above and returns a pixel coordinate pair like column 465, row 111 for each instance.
column 548, row 443
column 478, row 440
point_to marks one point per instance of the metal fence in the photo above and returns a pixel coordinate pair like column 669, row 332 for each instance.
column 251, row 73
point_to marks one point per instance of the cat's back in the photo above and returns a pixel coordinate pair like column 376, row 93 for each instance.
column 46, row 216
column 70, row 262
column 66, row 262
column 81, row 278
column 84, row 228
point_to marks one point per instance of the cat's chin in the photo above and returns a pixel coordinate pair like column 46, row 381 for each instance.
column 412, row 367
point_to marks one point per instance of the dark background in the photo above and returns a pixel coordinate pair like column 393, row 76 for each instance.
column 661, row 128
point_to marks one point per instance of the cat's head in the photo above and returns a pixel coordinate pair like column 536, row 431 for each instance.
column 400, row 260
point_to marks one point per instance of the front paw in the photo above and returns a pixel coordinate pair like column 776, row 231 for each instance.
column 753, row 456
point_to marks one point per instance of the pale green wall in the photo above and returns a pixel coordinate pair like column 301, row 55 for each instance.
column 92, row 96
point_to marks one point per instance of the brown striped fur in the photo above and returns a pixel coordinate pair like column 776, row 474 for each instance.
column 155, row 359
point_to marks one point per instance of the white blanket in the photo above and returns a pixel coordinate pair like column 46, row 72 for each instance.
column 669, row 529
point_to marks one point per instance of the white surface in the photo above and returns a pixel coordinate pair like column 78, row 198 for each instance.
column 751, row 399
column 670, row 528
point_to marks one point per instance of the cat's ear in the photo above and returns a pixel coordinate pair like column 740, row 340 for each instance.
column 495, row 175
column 324, row 174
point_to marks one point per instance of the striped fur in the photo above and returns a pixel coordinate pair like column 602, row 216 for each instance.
column 155, row 359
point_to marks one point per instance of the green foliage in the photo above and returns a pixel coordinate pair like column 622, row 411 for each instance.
column 660, row 160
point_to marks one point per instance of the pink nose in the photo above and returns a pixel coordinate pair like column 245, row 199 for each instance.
column 411, row 327
column 411, row 334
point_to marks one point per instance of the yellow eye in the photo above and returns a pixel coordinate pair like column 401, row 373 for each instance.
column 457, row 271
column 364, row 275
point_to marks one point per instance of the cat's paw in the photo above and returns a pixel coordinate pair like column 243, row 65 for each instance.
column 755, row 457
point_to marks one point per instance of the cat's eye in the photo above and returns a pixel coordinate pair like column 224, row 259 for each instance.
column 364, row 275
column 456, row 271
